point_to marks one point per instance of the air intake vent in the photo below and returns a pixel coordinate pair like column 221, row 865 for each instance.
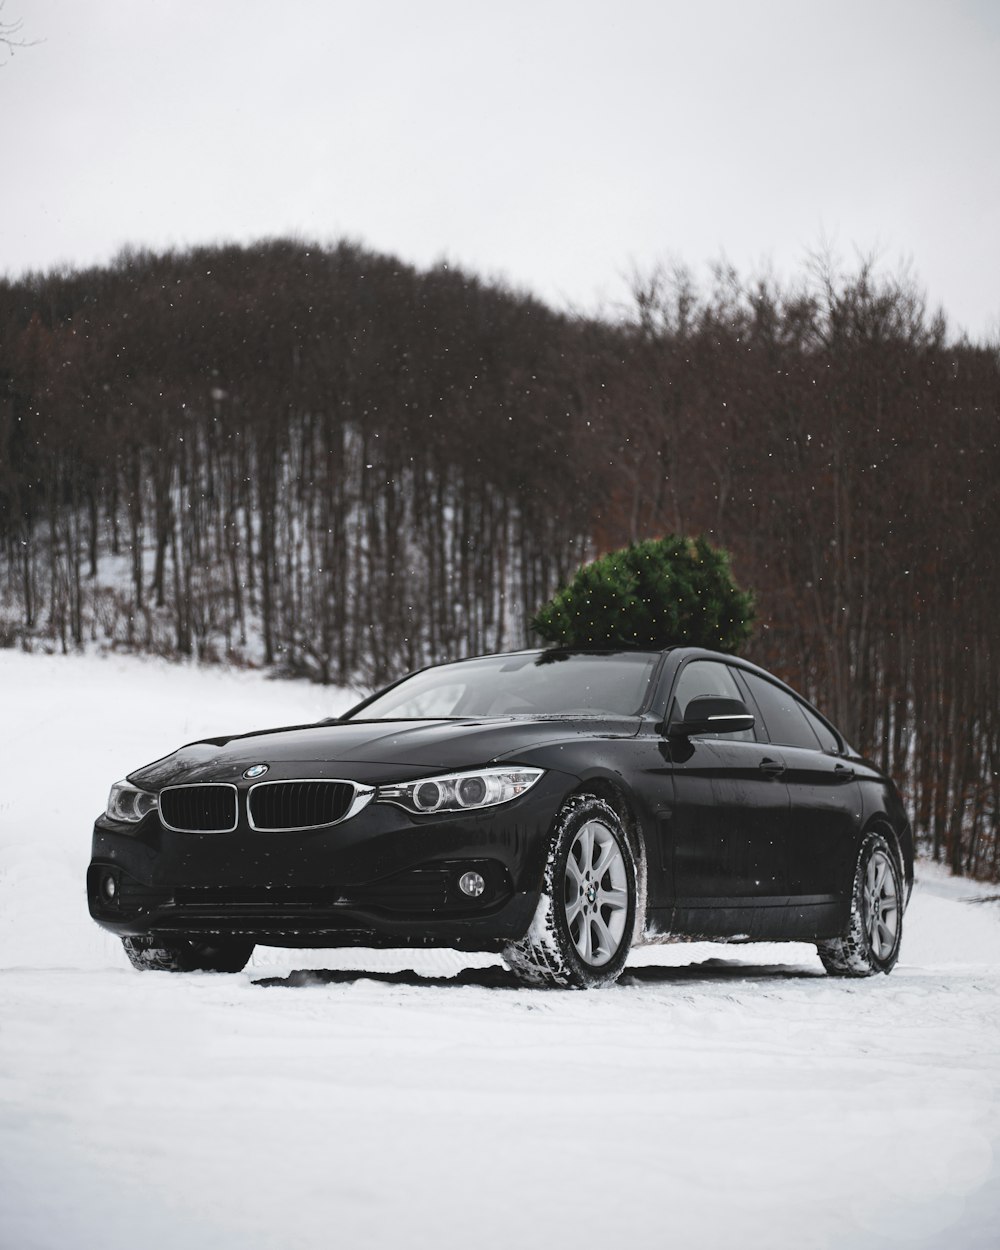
column 199, row 809
column 275, row 806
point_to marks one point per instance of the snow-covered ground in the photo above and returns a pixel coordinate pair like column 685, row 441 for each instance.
column 717, row 1097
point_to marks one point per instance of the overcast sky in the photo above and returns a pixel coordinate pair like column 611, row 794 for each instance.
column 557, row 144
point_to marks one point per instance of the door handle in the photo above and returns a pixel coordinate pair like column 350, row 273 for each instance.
column 774, row 768
column 842, row 773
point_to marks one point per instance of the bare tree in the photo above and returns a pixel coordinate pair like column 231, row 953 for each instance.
column 10, row 33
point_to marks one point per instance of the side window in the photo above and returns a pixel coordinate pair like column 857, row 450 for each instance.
column 784, row 716
column 827, row 738
column 708, row 677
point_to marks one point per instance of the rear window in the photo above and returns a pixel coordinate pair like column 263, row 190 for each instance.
column 827, row 738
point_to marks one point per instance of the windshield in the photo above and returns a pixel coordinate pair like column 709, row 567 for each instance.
column 544, row 683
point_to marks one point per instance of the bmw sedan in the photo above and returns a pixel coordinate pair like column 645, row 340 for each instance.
column 558, row 807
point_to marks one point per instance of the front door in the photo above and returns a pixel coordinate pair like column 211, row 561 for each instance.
column 730, row 804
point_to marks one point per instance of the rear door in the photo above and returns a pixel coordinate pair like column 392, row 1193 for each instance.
column 824, row 815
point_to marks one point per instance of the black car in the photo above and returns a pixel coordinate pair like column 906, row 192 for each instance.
column 555, row 806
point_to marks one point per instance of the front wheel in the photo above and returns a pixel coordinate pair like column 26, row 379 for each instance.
column 871, row 942
column 582, row 928
column 188, row 955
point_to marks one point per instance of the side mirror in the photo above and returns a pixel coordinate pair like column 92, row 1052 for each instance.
column 712, row 714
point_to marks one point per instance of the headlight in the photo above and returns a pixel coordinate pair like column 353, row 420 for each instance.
column 125, row 802
column 460, row 792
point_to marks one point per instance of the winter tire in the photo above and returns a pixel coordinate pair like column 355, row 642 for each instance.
column 583, row 925
column 187, row 955
column 871, row 942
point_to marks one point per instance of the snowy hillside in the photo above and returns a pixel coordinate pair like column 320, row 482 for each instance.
column 718, row 1096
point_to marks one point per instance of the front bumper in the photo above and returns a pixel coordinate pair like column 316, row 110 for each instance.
column 382, row 878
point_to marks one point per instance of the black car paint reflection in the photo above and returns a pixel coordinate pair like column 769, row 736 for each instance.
column 749, row 833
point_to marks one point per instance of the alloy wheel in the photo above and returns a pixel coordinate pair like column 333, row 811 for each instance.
column 880, row 905
column 596, row 894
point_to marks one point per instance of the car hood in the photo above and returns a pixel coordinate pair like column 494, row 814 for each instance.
column 372, row 751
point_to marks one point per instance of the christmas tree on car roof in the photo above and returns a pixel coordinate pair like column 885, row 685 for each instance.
column 652, row 594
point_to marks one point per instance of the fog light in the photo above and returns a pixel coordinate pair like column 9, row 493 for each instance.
column 109, row 887
column 472, row 884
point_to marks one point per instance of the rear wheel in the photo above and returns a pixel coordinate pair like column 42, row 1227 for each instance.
column 871, row 942
column 187, row 955
column 582, row 928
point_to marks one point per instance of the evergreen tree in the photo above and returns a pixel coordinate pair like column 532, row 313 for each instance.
column 651, row 594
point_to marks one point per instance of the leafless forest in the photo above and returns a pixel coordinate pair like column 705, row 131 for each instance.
column 325, row 460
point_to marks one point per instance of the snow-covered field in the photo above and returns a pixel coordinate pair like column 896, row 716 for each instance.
column 717, row 1097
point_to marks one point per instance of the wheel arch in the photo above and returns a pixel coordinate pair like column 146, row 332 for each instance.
column 881, row 824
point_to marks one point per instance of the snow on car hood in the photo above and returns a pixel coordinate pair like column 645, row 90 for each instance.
column 370, row 751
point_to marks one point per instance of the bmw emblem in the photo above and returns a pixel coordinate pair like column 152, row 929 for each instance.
column 258, row 770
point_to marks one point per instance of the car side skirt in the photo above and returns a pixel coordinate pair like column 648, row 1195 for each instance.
column 805, row 919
